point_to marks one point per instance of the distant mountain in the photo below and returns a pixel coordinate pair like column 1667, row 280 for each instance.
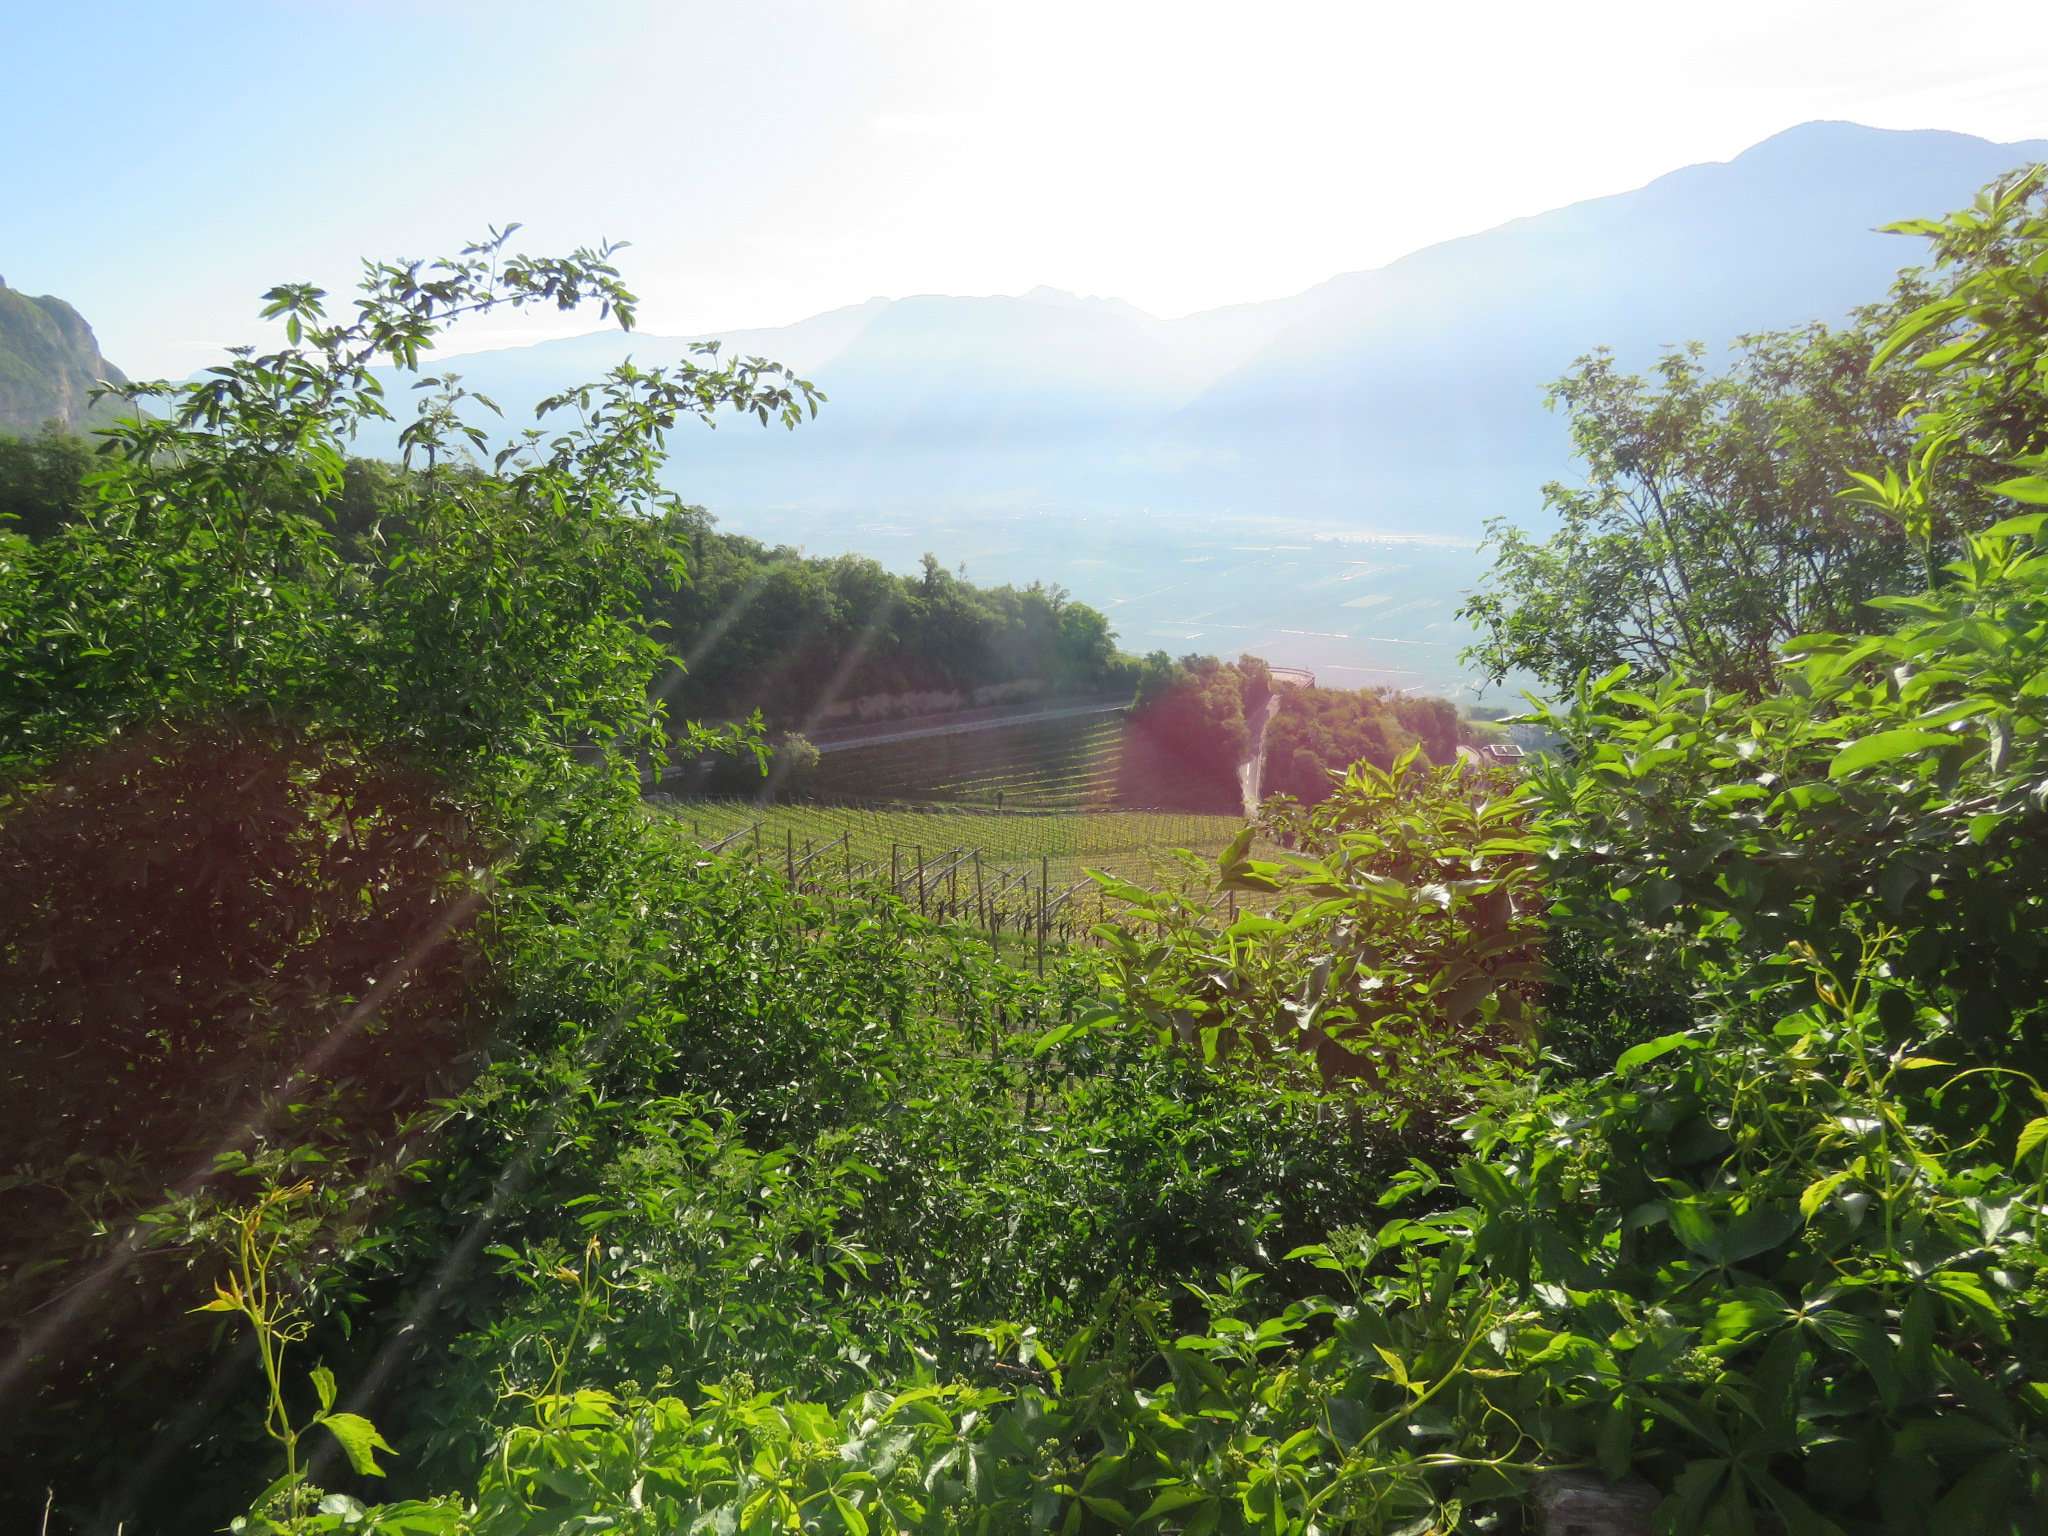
column 1404, row 399
column 1303, row 479
column 49, row 364
column 1411, row 396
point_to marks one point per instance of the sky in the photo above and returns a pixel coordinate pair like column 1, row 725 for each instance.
column 165, row 163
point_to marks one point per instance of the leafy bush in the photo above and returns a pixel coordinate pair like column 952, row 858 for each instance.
column 744, row 1209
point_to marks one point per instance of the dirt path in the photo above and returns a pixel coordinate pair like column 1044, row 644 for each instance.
column 961, row 727
column 1251, row 772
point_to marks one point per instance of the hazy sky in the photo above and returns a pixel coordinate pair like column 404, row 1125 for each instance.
column 162, row 163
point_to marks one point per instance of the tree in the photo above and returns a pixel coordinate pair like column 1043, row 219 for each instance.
column 1711, row 526
column 271, row 742
column 41, row 478
column 1892, row 778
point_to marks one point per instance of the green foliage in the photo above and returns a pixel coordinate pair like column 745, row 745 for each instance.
column 772, row 630
column 40, row 480
column 1133, row 845
column 1891, row 778
column 1397, row 946
column 1317, row 733
column 262, row 767
column 742, row 1208
column 1709, row 529
column 1188, row 733
column 1894, row 779
column 253, row 1293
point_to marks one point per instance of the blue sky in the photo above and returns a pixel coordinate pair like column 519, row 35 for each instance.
column 165, row 163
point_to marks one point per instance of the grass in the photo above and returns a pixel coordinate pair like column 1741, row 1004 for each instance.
column 881, row 812
column 1016, row 849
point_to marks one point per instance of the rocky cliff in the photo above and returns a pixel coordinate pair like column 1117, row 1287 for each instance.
column 49, row 363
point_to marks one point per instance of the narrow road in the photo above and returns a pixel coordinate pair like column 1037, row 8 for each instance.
column 961, row 727
column 1251, row 773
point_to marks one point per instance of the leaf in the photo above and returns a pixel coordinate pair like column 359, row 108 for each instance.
column 1694, row 1228
column 359, row 1441
column 323, row 1383
column 1172, row 1497
column 1639, row 1055
column 2032, row 1134
column 1615, row 1439
column 1884, row 747
column 1108, row 1508
column 1969, row 1294
column 1756, row 1231
column 1235, row 853
column 1868, row 1343
column 2031, row 489
column 1816, row 1194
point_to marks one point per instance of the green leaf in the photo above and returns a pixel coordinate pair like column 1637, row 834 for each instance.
column 1616, row 1438
column 2031, row 489
column 1969, row 1294
column 359, row 1441
column 1884, row 747
column 1816, row 1194
column 1756, row 1231
column 1176, row 1496
column 1868, row 1343
column 1695, row 1228
column 323, row 1383
column 2032, row 1134
column 1639, row 1055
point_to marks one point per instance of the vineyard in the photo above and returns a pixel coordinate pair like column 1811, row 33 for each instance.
column 1010, row 874
column 1047, row 763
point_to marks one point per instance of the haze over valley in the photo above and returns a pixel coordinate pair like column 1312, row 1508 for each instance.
column 1306, row 478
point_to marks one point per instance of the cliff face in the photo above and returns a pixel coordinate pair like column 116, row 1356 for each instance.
column 49, row 363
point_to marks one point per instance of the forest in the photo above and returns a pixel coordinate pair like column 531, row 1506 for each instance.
column 761, row 629
column 409, row 1131
column 1192, row 725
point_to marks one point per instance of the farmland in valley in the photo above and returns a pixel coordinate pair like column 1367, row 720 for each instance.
column 1012, row 845
column 1065, row 763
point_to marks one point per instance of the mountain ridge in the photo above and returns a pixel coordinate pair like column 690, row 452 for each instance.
column 1343, row 401
column 2027, row 149
column 50, row 362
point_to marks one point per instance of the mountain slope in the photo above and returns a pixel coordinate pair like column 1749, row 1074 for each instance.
column 1389, row 379
column 49, row 363
column 1407, row 398
column 1303, row 479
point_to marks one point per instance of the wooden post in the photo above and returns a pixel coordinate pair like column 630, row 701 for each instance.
column 894, row 879
column 980, row 905
column 847, row 844
column 1044, row 876
column 789, row 853
column 757, row 842
column 920, row 879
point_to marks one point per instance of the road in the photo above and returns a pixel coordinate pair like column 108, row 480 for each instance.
column 1251, row 773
